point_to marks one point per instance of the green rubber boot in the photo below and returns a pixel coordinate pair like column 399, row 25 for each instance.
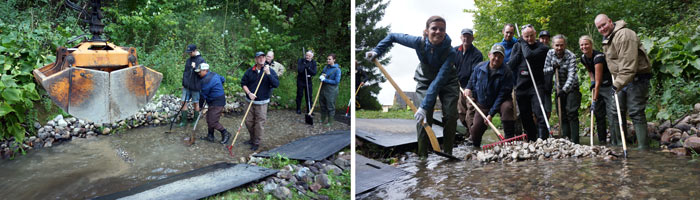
column 330, row 121
column 565, row 130
column 183, row 118
column 641, row 131
column 196, row 115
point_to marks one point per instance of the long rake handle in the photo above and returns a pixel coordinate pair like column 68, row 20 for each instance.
column 500, row 136
column 247, row 111
column 619, row 120
column 316, row 99
column 592, row 122
column 534, row 85
column 431, row 135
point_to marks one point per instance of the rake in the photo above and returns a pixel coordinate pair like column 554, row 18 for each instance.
column 502, row 141
column 230, row 147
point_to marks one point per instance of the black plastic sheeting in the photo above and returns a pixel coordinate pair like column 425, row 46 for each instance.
column 390, row 132
column 371, row 173
column 316, row 147
column 195, row 184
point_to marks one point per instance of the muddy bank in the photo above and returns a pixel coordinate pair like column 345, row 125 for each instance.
column 85, row 168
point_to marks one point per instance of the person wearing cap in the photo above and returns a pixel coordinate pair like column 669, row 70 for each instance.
column 258, row 113
column 330, row 76
column 213, row 94
column 306, row 68
column 435, row 76
column 270, row 60
column 467, row 57
column 568, row 92
column 529, row 50
column 191, row 83
column 490, row 87
column 544, row 37
column 631, row 70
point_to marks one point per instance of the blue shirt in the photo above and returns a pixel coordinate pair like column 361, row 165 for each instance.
column 440, row 56
column 332, row 74
column 213, row 89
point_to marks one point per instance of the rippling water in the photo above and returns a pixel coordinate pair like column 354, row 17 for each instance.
column 643, row 175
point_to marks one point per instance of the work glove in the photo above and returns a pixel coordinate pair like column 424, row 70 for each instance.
column 592, row 85
column 556, row 66
column 420, row 116
column 267, row 69
column 322, row 77
column 370, row 55
column 561, row 94
column 614, row 89
column 593, row 104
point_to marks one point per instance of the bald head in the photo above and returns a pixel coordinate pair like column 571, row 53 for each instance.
column 529, row 35
column 604, row 24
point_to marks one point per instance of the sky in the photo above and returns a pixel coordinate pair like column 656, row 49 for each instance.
column 409, row 16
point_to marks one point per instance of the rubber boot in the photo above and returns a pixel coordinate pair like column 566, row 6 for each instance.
column 329, row 122
column 615, row 136
column 641, row 131
column 573, row 124
column 183, row 118
column 210, row 136
column 565, row 130
column 225, row 136
column 509, row 128
column 323, row 118
column 196, row 115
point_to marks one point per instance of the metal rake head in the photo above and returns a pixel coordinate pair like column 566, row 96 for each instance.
column 522, row 137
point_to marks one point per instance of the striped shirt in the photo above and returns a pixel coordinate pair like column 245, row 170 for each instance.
column 567, row 69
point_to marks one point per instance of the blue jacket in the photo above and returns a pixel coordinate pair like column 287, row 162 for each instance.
column 251, row 78
column 310, row 67
column 491, row 92
column 508, row 45
column 332, row 74
column 213, row 89
column 440, row 57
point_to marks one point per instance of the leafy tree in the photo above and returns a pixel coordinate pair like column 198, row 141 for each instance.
column 367, row 14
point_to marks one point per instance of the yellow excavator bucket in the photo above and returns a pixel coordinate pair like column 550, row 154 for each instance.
column 98, row 81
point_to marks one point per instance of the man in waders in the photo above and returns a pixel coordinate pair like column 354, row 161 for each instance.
column 631, row 70
column 568, row 94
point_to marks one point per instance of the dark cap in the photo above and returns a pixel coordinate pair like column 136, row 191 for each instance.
column 259, row 53
column 497, row 48
column 190, row 48
column 544, row 33
column 467, row 31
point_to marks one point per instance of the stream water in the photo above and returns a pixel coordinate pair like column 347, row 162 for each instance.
column 644, row 175
column 85, row 168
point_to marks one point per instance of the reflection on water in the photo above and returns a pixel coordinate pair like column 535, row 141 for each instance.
column 643, row 175
column 84, row 168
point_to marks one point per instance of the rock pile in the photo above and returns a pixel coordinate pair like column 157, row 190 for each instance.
column 157, row 112
column 539, row 150
column 681, row 137
column 309, row 177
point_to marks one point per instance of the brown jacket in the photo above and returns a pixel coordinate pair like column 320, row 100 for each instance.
column 625, row 55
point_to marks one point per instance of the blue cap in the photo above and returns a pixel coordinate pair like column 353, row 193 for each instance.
column 259, row 53
column 190, row 48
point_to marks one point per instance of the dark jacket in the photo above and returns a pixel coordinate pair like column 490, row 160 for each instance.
column 332, row 74
column 310, row 67
column 492, row 91
column 536, row 54
column 190, row 79
column 440, row 59
column 213, row 89
column 465, row 62
column 251, row 79
column 589, row 63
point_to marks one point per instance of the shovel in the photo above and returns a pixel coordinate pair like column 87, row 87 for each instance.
column 310, row 119
column 230, row 147
column 431, row 135
column 191, row 140
column 619, row 120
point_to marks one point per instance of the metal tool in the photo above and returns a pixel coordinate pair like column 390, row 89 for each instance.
column 619, row 120
column 309, row 118
column 172, row 120
column 191, row 140
column 503, row 141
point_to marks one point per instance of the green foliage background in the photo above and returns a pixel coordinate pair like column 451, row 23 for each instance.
column 668, row 30
column 227, row 32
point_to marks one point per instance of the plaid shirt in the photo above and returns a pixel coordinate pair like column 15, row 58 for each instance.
column 567, row 69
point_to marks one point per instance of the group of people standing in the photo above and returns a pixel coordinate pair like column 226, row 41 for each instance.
column 522, row 73
column 200, row 86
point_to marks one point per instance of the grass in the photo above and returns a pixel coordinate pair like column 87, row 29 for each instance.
column 255, row 190
column 378, row 114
